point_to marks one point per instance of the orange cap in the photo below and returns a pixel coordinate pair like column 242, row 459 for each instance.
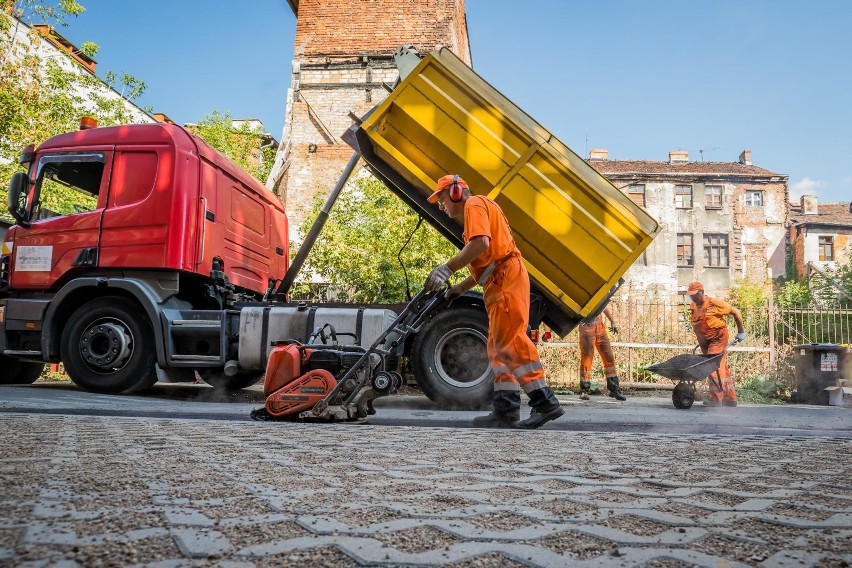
column 694, row 288
column 443, row 184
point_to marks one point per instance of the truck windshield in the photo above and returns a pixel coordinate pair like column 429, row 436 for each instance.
column 68, row 184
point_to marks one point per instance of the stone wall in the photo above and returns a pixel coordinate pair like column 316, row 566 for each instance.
column 343, row 54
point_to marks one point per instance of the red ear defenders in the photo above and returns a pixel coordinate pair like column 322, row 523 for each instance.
column 455, row 190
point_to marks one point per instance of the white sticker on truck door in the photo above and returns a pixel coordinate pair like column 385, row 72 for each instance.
column 33, row 259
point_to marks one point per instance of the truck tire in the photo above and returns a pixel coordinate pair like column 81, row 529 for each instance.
column 108, row 347
column 216, row 378
column 16, row 372
column 449, row 358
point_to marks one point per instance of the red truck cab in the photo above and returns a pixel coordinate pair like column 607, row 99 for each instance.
column 147, row 197
column 148, row 228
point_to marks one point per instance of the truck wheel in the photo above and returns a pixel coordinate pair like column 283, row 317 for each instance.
column 217, row 378
column 449, row 358
column 16, row 372
column 108, row 347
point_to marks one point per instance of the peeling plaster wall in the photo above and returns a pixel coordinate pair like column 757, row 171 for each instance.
column 756, row 235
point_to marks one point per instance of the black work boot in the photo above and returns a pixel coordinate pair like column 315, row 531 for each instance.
column 506, row 411
column 545, row 408
column 585, row 387
column 612, row 386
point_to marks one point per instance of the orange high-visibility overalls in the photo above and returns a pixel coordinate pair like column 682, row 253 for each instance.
column 501, row 272
column 708, row 322
column 593, row 336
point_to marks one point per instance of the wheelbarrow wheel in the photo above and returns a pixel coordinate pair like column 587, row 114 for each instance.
column 683, row 396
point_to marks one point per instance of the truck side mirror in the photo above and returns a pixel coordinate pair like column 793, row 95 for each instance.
column 27, row 155
column 18, row 193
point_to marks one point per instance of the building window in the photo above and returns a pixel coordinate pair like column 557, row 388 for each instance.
column 826, row 248
column 636, row 193
column 683, row 196
column 754, row 198
column 685, row 251
column 716, row 250
column 713, row 196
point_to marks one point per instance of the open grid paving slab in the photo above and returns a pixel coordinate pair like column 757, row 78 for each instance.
column 105, row 491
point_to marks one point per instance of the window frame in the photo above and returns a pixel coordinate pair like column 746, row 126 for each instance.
column 676, row 195
column 631, row 193
column 691, row 245
column 707, row 194
column 822, row 244
column 709, row 247
column 753, row 192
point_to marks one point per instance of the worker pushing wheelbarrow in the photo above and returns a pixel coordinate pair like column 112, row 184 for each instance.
column 689, row 369
column 711, row 330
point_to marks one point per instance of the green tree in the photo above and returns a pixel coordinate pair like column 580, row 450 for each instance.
column 793, row 293
column 357, row 250
column 748, row 294
column 40, row 98
column 242, row 144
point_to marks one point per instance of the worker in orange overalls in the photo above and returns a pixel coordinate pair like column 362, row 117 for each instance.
column 495, row 262
column 708, row 322
column 593, row 336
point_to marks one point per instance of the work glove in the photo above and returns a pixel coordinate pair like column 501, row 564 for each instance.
column 437, row 278
column 614, row 329
column 453, row 292
column 740, row 336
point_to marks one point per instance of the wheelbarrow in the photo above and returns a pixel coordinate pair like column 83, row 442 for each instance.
column 688, row 369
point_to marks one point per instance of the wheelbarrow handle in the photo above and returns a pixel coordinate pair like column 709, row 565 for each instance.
column 731, row 344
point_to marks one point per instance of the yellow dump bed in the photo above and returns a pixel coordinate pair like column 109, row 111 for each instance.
column 577, row 233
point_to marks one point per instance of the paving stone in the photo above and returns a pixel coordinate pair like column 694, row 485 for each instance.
column 175, row 493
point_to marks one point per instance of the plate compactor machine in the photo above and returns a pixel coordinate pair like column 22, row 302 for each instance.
column 327, row 381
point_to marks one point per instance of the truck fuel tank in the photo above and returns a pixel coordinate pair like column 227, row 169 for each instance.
column 261, row 326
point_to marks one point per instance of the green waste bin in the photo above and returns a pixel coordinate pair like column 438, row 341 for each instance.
column 817, row 367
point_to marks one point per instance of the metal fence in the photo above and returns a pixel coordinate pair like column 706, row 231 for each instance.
column 813, row 325
column 651, row 332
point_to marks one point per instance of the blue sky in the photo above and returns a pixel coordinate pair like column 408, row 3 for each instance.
column 637, row 77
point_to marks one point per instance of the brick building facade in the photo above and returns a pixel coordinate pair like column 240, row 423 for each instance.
column 820, row 235
column 720, row 221
column 343, row 53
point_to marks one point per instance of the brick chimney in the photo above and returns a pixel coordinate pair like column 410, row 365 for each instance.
column 745, row 157
column 163, row 118
column 678, row 156
column 598, row 154
column 810, row 206
column 343, row 52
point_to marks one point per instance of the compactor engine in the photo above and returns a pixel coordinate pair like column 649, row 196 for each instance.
column 339, row 382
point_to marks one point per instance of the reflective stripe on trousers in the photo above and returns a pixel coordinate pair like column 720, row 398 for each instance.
column 712, row 342
column 592, row 337
column 513, row 356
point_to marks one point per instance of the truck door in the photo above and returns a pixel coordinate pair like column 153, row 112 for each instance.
column 66, row 205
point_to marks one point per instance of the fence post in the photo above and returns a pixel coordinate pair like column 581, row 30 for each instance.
column 630, row 304
column 770, row 308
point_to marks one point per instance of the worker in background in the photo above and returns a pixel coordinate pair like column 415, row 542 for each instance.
column 495, row 262
column 708, row 322
column 593, row 336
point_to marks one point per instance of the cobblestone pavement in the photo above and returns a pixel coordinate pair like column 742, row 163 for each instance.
column 90, row 491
